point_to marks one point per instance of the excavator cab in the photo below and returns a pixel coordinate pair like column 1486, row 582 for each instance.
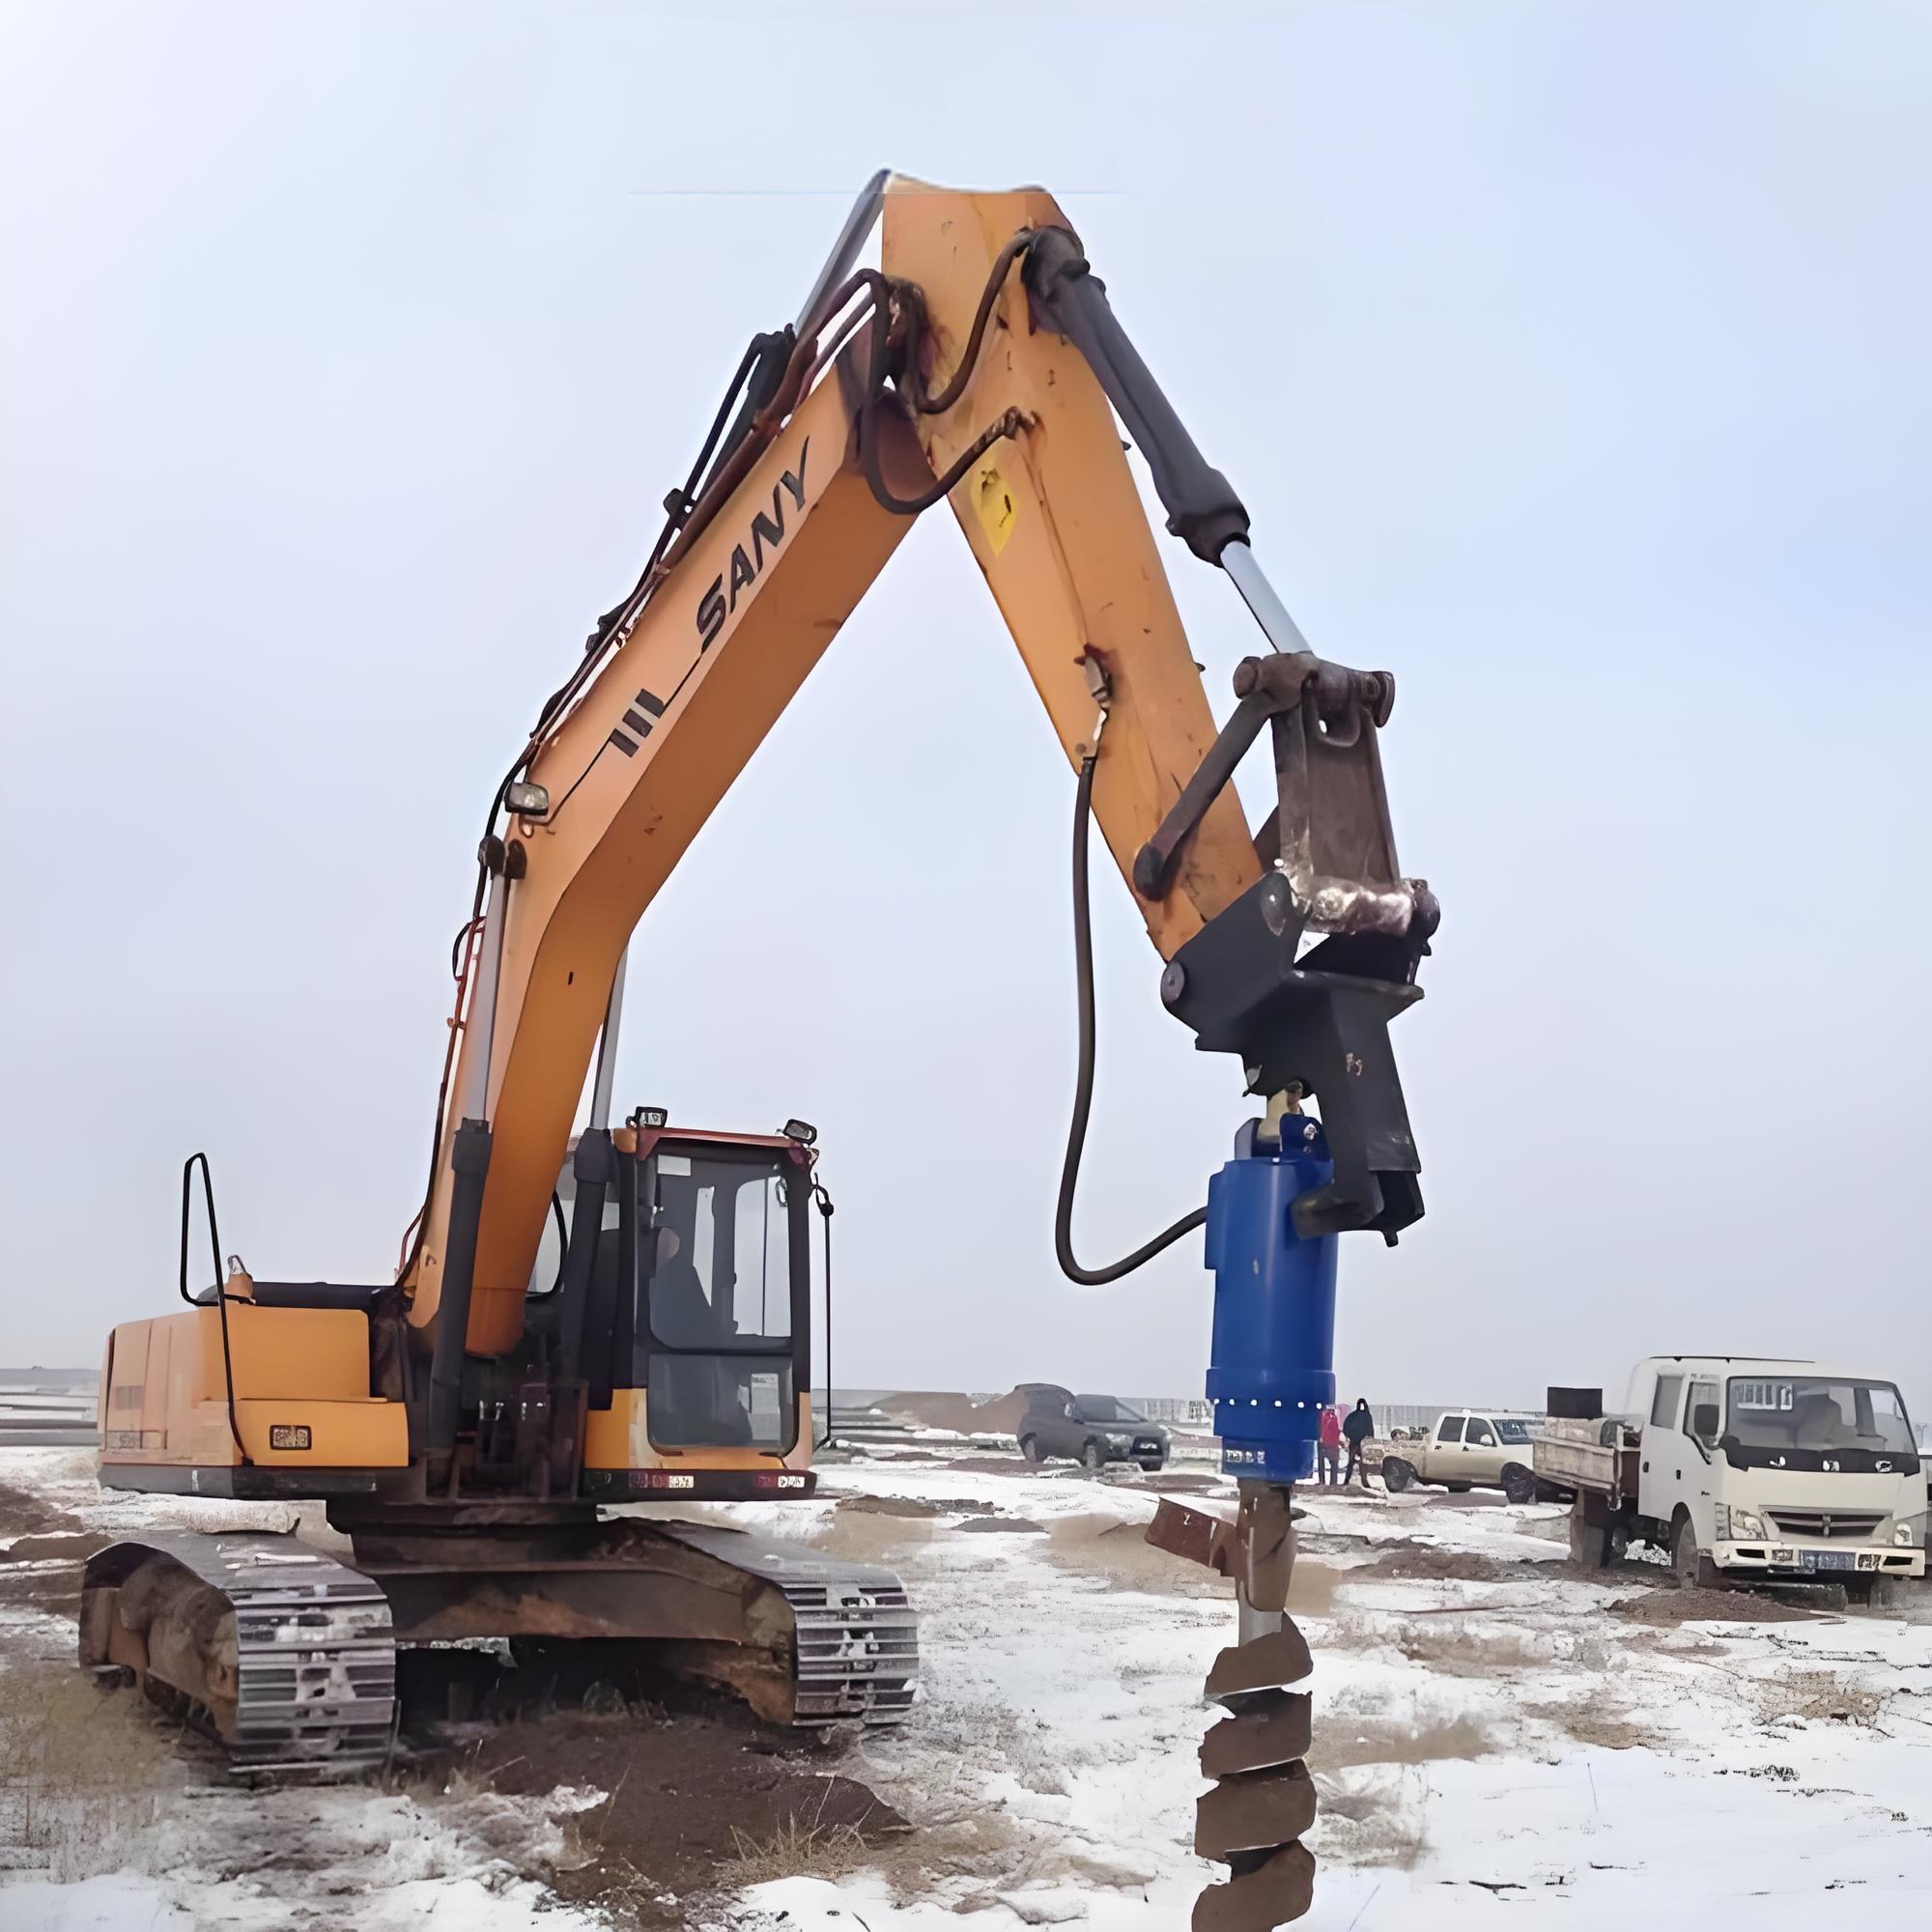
column 696, row 1329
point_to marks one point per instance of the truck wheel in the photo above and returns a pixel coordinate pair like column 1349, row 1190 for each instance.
column 1029, row 1449
column 1519, row 1484
column 1694, row 1570
column 1090, row 1455
column 1397, row 1475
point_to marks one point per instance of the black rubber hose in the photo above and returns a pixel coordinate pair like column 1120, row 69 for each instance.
column 1082, row 1082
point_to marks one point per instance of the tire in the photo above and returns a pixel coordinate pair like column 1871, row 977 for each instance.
column 1397, row 1475
column 1151, row 1468
column 1616, row 1542
column 1519, row 1484
column 1029, row 1449
column 1694, row 1570
column 1090, row 1457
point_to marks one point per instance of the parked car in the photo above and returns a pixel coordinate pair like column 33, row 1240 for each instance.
column 1094, row 1429
column 1469, row 1449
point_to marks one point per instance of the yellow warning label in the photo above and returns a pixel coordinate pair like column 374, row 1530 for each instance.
column 993, row 503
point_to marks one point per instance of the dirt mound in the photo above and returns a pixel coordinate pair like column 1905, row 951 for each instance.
column 1666, row 1607
column 696, row 1802
column 946, row 1409
column 1014, row 1524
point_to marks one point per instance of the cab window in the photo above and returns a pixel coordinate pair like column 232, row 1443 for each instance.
column 1703, row 1395
column 1481, row 1434
column 1664, row 1403
column 1450, row 1430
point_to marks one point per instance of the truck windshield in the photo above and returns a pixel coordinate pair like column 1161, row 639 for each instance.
column 1105, row 1408
column 1817, row 1415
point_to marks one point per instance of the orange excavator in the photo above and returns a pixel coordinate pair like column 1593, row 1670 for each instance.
column 592, row 1312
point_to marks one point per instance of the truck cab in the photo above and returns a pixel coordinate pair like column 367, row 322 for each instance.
column 1742, row 1468
column 1751, row 1466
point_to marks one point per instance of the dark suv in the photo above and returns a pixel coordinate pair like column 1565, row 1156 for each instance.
column 1098, row 1429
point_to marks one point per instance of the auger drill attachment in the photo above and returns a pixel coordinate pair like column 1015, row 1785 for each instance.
column 1311, row 1022
column 1299, row 975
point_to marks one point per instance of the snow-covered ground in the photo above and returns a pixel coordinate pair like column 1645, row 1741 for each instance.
column 1494, row 1743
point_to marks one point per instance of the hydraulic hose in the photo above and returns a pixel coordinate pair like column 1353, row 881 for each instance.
column 1082, row 1082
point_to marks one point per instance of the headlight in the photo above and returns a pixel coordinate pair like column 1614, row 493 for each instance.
column 1738, row 1525
column 1903, row 1536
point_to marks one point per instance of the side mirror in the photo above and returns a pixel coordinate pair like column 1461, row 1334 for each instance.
column 1072, row 1412
column 1704, row 1421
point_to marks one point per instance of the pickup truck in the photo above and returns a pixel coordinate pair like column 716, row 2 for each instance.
column 1745, row 1468
column 1468, row 1449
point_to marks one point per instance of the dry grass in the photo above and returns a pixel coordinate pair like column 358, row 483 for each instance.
column 801, row 1847
column 1819, row 1697
column 1373, row 1798
column 81, row 1772
column 796, row 1849
column 1459, row 1649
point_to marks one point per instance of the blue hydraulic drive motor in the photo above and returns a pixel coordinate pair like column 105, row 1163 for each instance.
column 1274, row 1360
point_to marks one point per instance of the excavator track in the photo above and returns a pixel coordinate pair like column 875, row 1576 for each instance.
column 857, row 1642
column 289, row 1656
column 288, row 1652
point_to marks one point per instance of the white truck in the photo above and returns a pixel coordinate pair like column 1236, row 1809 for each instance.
column 1744, row 1468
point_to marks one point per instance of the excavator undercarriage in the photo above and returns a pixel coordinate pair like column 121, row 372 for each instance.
column 289, row 1656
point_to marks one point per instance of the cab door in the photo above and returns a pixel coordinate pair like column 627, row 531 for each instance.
column 1482, row 1451
column 1442, row 1462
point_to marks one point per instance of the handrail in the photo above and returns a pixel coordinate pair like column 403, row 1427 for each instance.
column 221, row 1296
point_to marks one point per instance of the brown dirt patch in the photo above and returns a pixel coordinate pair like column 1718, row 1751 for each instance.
column 1018, row 1524
column 1665, row 1608
column 1179, row 1483
column 904, row 1506
column 1418, row 1560
column 695, row 1804
column 23, row 1514
column 1347, row 1737
column 39, row 1549
column 1590, row 1723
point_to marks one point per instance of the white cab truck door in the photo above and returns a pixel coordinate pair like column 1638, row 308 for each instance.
column 1482, row 1452
column 1679, row 1463
column 1441, row 1454
column 1660, row 1469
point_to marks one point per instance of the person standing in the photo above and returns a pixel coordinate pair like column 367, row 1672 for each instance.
column 1330, row 1444
column 1358, row 1429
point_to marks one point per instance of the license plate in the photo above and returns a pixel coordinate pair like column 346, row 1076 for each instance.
column 1826, row 1559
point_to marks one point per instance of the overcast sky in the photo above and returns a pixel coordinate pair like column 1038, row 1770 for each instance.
column 1570, row 358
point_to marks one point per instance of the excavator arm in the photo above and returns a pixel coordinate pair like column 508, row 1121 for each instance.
column 978, row 367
